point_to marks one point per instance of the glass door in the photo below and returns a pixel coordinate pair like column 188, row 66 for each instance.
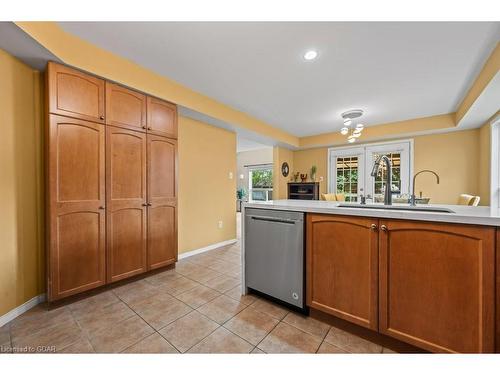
column 347, row 176
column 398, row 154
column 350, row 168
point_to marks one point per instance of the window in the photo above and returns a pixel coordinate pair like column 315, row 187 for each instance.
column 347, row 177
column 260, row 181
column 379, row 181
column 351, row 168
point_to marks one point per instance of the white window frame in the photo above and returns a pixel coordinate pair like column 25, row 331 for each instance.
column 344, row 152
column 365, row 156
column 495, row 163
column 251, row 168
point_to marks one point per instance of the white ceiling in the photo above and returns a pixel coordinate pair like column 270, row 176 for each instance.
column 394, row 71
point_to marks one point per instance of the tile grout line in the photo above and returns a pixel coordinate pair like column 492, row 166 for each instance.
column 154, row 329
column 85, row 332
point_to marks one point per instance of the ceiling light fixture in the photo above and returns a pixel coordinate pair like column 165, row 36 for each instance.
column 352, row 133
column 310, row 55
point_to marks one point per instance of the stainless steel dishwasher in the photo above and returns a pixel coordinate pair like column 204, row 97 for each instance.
column 274, row 254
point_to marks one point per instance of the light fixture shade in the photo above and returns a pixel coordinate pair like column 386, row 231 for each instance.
column 357, row 131
column 344, row 130
column 360, row 126
column 356, row 135
column 310, row 55
column 351, row 139
column 347, row 121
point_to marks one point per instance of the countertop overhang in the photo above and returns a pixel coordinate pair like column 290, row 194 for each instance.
column 481, row 215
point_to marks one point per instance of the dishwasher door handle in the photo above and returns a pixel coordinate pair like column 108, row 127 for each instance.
column 274, row 219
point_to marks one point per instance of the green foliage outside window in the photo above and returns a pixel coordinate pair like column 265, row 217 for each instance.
column 262, row 178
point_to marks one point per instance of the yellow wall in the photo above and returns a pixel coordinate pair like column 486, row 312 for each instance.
column 206, row 194
column 280, row 187
column 487, row 73
column 392, row 130
column 21, row 184
column 455, row 156
column 303, row 161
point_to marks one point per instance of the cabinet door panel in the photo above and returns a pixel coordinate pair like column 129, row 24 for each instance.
column 79, row 252
column 76, row 206
column 162, row 235
column 162, row 197
column 75, row 94
column 162, row 118
column 126, row 203
column 342, row 272
column 437, row 285
column 126, row 243
column 125, row 108
column 78, row 152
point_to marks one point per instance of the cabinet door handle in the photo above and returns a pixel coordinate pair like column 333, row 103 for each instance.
column 374, row 226
column 101, row 117
column 144, row 204
column 149, row 204
column 149, row 128
column 384, row 228
column 102, row 207
column 144, row 127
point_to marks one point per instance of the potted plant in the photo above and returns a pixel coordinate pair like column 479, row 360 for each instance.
column 240, row 195
column 313, row 173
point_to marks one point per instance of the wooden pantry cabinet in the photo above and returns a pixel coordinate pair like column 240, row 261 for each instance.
column 75, row 94
column 125, row 108
column 162, row 198
column 112, row 182
column 76, row 207
column 435, row 282
column 126, row 203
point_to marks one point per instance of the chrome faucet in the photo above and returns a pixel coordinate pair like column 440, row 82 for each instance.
column 413, row 198
column 388, row 179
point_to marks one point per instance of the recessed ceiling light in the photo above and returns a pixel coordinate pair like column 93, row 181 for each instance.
column 310, row 55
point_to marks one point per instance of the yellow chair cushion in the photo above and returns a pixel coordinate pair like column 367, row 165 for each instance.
column 329, row 197
column 340, row 197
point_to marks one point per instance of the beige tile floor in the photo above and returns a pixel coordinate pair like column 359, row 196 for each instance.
column 196, row 308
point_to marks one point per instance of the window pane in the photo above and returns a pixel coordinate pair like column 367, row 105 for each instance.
column 379, row 184
column 347, row 177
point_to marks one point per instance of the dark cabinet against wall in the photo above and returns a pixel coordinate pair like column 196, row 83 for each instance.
column 303, row 190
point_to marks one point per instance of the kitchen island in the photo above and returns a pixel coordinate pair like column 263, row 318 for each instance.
column 425, row 278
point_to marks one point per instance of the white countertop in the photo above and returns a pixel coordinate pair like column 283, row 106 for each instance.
column 481, row 215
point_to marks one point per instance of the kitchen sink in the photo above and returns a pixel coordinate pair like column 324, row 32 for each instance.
column 397, row 208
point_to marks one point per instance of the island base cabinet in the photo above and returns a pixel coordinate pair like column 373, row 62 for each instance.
column 342, row 267
column 437, row 285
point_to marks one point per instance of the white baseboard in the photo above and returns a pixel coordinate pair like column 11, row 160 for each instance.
column 207, row 248
column 14, row 313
